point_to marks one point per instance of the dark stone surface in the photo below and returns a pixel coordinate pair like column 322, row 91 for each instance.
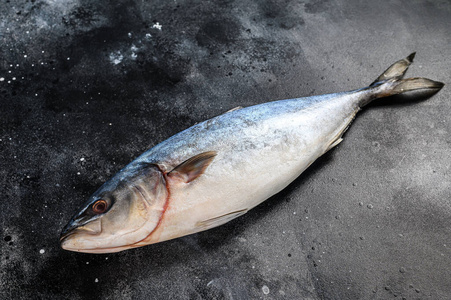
column 89, row 85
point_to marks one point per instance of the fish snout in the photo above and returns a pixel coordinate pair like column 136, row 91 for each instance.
column 69, row 229
column 74, row 229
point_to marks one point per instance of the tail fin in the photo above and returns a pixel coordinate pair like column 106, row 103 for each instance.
column 391, row 83
column 396, row 70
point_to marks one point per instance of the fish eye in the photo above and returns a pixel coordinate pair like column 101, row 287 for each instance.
column 100, row 206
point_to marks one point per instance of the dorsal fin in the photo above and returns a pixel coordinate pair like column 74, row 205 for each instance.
column 233, row 109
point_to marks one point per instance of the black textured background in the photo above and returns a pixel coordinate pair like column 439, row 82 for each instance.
column 86, row 86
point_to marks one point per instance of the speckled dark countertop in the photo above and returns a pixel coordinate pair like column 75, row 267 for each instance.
column 86, row 86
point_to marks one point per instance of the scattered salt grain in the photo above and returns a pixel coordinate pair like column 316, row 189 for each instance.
column 157, row 26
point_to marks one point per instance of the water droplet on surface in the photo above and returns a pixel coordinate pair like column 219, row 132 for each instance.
column 265, row 290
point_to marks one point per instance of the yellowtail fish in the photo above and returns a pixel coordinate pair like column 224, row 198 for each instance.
column 219, row 169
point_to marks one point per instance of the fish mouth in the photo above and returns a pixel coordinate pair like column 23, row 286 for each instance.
column 68, row 230
column 65, row 235
column 74, row 227
column 73, row 235
column 98, row 250
column 67, row 244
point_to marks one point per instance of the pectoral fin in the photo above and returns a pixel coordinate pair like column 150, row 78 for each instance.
column 216, row 221
column 192, row 168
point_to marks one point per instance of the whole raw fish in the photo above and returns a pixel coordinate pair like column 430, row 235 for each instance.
column 219, row 169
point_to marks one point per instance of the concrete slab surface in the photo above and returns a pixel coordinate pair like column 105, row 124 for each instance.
column 86, row 86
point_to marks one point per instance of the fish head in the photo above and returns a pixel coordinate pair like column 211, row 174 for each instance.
column 123, row 212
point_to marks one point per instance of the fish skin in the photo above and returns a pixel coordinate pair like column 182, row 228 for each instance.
column 294, row 137
column 259, row 150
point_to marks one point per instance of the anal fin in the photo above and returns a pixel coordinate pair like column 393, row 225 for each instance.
column 334, row 143
column 216, row 221
column 338, row 138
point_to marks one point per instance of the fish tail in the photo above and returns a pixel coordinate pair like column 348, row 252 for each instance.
column 390, row 82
